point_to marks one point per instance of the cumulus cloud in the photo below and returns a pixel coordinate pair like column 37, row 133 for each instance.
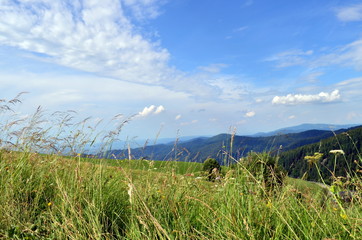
column 322, row 97
column 147, row 111
column 92, row 36
column 250, row 114
column 178, row 117
column 151, row 110
column 159, row 109
column 350, row 13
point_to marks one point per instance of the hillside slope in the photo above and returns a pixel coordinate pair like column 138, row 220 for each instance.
column 349, row 141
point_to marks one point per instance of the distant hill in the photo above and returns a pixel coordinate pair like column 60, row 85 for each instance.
column 223, row 147
column 139, row 143
column 350, row 141
column 304, row 127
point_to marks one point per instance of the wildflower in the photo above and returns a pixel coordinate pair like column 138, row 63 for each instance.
column 336, row 152
column 343, row 215
column 314, row 159
column 49, row 204
column 269, row 204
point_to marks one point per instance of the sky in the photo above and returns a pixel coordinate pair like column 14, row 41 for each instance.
column 186, row 67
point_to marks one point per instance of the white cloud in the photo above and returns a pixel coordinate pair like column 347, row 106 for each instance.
column 292, row 117
column 147, row 111
column 348, row 55
column 92, row 36
column 351, row 90
column 159, row 109
column 229, row 88
column 143, row 9
column 250, row 114
column 178, row 117
column 101, row 37
column 322, row 97
column 350, row 13
column 151, row 110
column 354, row 82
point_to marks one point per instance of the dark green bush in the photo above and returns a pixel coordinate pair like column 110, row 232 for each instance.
column 209, row 165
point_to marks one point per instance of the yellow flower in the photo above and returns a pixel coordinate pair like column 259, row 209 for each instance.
column 269, row 204
column 49, row 204
column 343, row 215
column 313, row 159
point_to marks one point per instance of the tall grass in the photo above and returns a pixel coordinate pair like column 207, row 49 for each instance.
column 50, row 196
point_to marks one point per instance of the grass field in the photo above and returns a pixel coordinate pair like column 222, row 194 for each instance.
column 52, row 197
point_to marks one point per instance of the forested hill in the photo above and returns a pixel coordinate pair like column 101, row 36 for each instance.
column 350, row 142
column 200, row 148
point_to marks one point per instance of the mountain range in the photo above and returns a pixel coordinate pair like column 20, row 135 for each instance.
column 227, row 148
column 305, row 127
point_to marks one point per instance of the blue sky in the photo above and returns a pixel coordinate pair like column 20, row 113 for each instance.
column 186, row 67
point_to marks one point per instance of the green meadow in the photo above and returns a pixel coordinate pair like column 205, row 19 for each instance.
column 52, row 197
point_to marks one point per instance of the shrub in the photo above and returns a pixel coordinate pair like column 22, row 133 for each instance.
column 209, row 165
